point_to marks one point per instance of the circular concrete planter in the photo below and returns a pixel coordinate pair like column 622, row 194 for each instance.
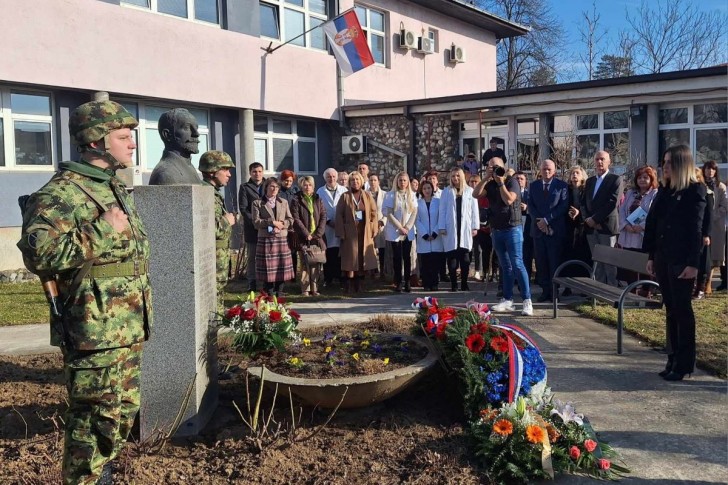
column 362, row 390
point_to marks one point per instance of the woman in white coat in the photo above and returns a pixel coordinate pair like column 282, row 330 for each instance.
column 400, row 209
column 459, row 223
column 429, row 242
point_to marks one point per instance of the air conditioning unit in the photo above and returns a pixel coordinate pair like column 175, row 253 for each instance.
column 407, row 39
column 425, row 45
column 353, row 144
column 457, row 53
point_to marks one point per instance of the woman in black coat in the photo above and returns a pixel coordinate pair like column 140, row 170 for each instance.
column 673, row 239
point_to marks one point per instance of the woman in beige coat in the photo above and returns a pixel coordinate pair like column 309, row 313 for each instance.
column 356, row 226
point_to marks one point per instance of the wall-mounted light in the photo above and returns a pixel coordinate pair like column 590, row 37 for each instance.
column 636, row 110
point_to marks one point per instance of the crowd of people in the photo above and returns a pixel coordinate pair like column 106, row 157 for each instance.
column 486, row 223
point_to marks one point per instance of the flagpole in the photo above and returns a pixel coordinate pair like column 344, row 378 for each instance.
column 271, row 51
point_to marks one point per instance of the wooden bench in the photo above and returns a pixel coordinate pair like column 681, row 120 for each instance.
column 619, row 298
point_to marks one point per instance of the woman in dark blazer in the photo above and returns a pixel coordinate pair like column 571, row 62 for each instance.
column 673, row 239
column 309, row 223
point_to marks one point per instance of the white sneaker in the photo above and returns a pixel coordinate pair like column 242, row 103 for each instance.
column 476, row 276
column 503, row 306
column 527, row 308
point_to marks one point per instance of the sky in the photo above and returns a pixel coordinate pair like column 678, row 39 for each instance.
column 613, row 18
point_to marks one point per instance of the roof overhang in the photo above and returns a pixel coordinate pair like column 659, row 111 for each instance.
column 471, row 14
column 642, row 89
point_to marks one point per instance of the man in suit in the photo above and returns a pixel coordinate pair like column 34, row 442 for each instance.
column 601, row 197
column 547, row 205
column 250, row 191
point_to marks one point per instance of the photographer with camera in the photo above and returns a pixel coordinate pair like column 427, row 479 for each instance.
column 504, row 201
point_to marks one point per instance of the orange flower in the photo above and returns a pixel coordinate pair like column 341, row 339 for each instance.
column 488, row 414
column 535, row 434
column 553, row 433
column 503, row 427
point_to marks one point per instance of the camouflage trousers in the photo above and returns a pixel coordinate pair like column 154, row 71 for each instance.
column 103, row 401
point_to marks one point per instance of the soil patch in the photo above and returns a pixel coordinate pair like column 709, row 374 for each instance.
column 415, row 437
column 345, row 352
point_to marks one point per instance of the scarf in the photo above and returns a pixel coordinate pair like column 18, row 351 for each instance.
column 308, row 199
column 710, row 182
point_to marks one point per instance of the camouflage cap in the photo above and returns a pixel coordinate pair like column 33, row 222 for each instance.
column 94, row 120
column 214, row 160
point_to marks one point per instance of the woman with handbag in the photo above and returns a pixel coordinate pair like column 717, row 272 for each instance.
column 309, row 224
column 400, row 209
column 272, row 218
column 356, row 227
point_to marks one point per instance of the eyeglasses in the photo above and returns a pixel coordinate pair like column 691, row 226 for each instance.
column 273, row 187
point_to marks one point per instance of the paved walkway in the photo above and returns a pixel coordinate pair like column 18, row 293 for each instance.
column 668, row 433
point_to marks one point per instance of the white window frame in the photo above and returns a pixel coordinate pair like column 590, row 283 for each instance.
column 690, row 125
column 370, row 31
column 190, row 11
column 268, row 166
column 9, row 119
column 600, row 130
column 140, row 132
column 282, row 5
column 433, row 35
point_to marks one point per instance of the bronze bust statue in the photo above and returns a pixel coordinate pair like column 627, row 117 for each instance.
column 178, row 130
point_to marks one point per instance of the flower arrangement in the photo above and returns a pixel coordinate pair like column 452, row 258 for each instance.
column 260, row 323
column 520, row 432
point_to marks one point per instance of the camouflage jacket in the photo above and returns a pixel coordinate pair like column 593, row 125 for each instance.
column 62, row 229
column 223, row 233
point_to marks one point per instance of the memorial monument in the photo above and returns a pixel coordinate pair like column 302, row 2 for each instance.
column 180, row 359
column 178, row 130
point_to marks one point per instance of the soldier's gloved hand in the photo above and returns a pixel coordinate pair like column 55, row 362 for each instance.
column 116, row 217
column 230, row 218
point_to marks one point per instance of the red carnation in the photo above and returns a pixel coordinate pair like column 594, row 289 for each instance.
column 480, row 328
column 295, row 314
column 590, row 445
column 281, row 300
column 249, row 314
column 603, row 464
column 446, row 314
column 275, row 316
column 233, row 312
column 475, row 343
column 574, row 452
column 499, row 344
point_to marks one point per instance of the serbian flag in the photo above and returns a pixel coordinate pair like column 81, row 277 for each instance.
column 349, row 43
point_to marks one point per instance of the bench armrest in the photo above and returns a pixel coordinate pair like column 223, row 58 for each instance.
column 579, row 262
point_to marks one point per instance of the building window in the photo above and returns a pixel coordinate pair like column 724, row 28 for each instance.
column 285, row 20
column 26, row 130
column 284, row 144
column 202, row 10
column 527, row 145
column 432, row 34
column 703, row 127
column 576, row 138
column 373, row 23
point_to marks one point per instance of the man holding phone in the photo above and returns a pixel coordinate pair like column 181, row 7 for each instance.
column 504, row 199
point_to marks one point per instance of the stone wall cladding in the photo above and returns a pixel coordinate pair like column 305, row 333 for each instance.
column 435, row 145
column 17, row 276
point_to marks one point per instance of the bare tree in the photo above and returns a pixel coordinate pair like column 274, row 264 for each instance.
column 523, row 61
column 676, row 35
column 591, row 35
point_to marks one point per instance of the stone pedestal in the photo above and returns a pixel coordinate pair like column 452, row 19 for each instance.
column 180, row 356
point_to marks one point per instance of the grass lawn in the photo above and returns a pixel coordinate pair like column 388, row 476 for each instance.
column 711, row 316
column 22, row 303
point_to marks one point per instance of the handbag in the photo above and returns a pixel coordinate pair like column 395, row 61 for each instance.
column 312, row 255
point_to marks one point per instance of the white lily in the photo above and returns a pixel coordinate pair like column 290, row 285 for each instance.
column 567, row 412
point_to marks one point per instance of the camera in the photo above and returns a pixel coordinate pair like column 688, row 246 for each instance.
column 499, row 171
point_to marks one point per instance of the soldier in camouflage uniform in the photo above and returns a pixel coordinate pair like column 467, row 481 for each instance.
column 215, row 167
column 82, row 230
